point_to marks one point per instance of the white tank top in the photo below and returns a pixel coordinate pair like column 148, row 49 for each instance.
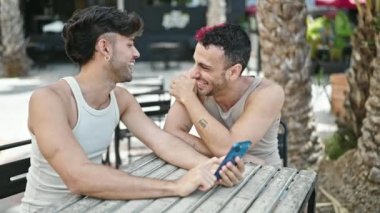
column 266, row 149
column 93, row 131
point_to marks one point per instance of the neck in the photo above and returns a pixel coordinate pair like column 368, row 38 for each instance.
column 232, row 93
column 95, row 85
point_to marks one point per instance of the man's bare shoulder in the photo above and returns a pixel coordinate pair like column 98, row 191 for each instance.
column 58, row 90
column 122, row 93
column 124, row 97
column 49, row 102
column 268, row 90
column 268, row 86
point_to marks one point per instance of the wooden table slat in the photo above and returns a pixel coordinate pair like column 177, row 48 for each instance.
column 162, row 204
column 149, row 168
column 139, row 163
column 264, row 189
column 185, row 204
column 164, row 170
column 268, row 198
column 142, row 167
column 113, row 205
column 67, row 201
column 298, row 190
column 244, row 199
column 82, row 205
column 106, row 206
column 139, row 205
column 224, row 194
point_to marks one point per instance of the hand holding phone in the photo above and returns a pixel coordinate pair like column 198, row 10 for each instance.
column 237, row 150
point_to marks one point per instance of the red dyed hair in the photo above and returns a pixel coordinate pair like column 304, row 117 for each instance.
column 200, row 34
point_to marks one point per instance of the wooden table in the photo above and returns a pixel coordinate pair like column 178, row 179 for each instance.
column 264, row 189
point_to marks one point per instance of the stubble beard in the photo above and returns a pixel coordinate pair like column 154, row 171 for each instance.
column 123, row 72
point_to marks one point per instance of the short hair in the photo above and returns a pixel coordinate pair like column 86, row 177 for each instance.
column 232, row 38
column 83, row 29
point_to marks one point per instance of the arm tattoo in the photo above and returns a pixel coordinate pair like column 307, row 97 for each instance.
column 203, row 123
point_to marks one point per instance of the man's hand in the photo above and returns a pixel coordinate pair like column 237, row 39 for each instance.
column 231, row 174
column 183, row 88
column 200, row 177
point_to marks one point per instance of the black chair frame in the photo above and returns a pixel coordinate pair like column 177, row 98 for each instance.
column 282, row 138
column 13, row 174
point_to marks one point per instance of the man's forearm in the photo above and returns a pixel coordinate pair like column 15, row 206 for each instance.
column 215, row 136
column 114, row 184
column 178, row 152
column 195, row 142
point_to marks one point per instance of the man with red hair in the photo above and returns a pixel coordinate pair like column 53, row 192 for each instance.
column 224, row 106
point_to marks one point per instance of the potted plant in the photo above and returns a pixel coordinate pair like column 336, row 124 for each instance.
column 329, row 38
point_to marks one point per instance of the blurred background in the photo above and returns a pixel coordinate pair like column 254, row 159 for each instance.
column 322, row 52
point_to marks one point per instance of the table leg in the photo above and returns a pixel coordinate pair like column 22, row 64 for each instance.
column 311, row 203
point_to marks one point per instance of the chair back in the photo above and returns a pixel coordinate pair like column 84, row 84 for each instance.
column 282, row 138
column 157, row 107
column 13, row 174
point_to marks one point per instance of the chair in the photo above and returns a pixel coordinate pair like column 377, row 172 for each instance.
column 13, row 174
column 282, row 138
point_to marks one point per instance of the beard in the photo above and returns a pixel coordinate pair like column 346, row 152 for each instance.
column 212, row 88
column 121, row 71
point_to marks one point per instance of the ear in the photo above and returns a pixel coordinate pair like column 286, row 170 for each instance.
column 104, row 47
column 234, row 72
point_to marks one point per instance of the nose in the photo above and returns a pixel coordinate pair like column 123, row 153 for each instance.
column 136, row 53
column 194, row 72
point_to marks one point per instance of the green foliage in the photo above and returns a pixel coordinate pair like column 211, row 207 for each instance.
column 331, row 34
column 337, row 144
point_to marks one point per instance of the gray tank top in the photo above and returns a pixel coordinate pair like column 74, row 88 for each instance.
column 266, row 149
column 93, row 131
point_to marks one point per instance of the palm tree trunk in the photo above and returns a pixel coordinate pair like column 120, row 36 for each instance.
column 369, row 142
column 358, row 171
column 14, row 59
column 285, row 59
column 216, row 13
column 363, row 52
column 358, row 185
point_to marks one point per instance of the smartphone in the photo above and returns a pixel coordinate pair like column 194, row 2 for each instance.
column 237, row 149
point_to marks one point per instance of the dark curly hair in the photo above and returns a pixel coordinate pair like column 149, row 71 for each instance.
column 232, row 38
column 85, row 26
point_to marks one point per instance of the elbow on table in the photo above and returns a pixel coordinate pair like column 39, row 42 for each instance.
column 76, row 181
column 75, row 185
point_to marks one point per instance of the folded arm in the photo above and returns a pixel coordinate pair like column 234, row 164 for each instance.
column 261, row 109
column 170, row 148
column 165, row 145
column 179, row 124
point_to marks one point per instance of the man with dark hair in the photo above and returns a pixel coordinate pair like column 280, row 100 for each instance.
column 222, row 105
column 72, row 121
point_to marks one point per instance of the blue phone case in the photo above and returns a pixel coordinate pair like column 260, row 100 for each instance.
column 238, row 149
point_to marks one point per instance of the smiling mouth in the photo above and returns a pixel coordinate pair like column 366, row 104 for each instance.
column 131, row 66
column 201, row 84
